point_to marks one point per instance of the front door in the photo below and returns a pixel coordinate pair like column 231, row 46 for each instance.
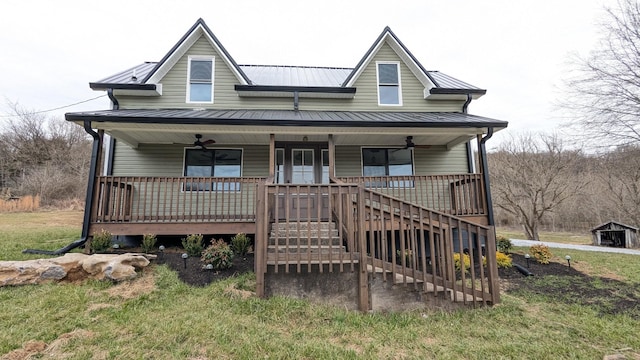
column 301, row 165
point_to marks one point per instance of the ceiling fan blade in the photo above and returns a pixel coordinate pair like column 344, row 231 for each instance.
column 208, row 142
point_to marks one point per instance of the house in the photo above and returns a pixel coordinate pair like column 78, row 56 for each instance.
column 366, row 174
column 615, row 234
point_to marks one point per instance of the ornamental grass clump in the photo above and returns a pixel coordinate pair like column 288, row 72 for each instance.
column 466, row 260
column 101, row 241
column 541, row 253
column 193, row 244
column 148, row 242
column 503, row 260
column 241, row 244
column 218, row 254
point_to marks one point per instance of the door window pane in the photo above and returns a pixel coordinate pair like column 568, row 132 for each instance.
column 302, row 168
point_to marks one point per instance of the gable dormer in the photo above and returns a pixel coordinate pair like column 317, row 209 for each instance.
column 387, row 58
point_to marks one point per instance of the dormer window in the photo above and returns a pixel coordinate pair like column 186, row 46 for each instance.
column 389, row 92
column 200, row 80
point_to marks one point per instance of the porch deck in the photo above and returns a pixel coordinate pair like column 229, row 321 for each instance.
column 406, row 230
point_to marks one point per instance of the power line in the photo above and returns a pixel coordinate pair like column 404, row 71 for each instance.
column 54, row 109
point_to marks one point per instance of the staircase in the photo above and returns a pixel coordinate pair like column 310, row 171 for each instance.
column 317, row 242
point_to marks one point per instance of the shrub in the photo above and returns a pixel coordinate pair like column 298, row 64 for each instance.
column 218, row 254
column 101, row 241
column 148, row 242
column 465, row 258
column 541, row 253
column 241, row 244
column 503, row 260
column 193, row 245
column 503, row 244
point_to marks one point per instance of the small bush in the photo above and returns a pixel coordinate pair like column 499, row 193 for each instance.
column 241, row 244
column 503, row 260
column 503, row 244
column 465, row 258
column 218, row 254
column 193, row 245
column 148, row 242
column 101, row 241
column 541, row 253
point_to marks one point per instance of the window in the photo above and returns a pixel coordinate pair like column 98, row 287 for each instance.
column 216, row 163
column 387, row 162
column 325, row 166
column 389, row 84
column 279, row 171
column 200, row 80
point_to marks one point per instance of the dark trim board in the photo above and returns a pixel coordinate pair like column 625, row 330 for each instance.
column 182, row 228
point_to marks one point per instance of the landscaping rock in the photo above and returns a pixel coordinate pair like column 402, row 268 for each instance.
column 72, row 267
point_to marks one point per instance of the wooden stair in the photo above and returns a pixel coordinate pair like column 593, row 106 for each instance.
column 307, row 242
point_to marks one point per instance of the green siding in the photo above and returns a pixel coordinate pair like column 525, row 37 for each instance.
column 174, row 86
column 167, row 160
column 427, row 161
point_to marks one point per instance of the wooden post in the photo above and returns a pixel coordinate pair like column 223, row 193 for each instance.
column 492, row 266
column 363, row 278
column 261, row 238
column 332, row 157
column 272, row 155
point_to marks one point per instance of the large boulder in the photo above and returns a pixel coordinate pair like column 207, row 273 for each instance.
column 72, row 267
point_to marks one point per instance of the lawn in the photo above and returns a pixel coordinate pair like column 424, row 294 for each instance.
column 157, row 316
column 561, row 237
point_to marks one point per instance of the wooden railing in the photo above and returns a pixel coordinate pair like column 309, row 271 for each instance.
column 380, row 234
column 456, row 194
column 174, row 199
column 416, row 246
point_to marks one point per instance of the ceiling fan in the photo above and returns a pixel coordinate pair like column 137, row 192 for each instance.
column 202, row 144
column 411, row 145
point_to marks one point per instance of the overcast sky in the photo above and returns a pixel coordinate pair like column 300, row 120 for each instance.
column 517, row 50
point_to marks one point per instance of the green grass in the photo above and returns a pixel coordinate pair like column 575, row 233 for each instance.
column 173, row 320
column 561, row 237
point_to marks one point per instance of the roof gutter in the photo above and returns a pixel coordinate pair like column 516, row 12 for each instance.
column 88, row 199
column 485, row 175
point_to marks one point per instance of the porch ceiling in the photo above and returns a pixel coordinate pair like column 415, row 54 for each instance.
column 135, row 134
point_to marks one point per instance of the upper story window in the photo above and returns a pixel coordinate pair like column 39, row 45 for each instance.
column 200, row 80
column 389, row 91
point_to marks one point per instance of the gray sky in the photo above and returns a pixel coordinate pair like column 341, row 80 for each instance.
column 518, row 51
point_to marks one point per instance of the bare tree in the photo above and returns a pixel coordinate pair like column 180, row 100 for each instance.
column 621, row 174
column 42, row 156
column 531, row 175
column 604, row 91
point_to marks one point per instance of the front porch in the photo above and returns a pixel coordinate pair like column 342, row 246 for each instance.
column 398, row 230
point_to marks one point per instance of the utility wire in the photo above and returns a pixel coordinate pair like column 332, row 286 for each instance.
column 54, row 109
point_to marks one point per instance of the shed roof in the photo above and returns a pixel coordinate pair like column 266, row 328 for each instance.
column 607, row 224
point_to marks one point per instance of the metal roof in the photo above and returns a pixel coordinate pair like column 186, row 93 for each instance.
column 289, row 117
column 282, row 75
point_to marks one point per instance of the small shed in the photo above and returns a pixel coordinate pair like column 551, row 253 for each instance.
column 615, row 234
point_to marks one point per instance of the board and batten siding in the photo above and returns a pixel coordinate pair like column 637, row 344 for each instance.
column 174, row 86
column 168, row 160
column 426, row 161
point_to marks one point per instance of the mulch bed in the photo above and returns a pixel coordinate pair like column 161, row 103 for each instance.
column 555, row 281
column 194, row 274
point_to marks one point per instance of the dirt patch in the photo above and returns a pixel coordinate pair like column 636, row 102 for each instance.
column 38, row 349
column 570, row 285
column 143, row 284
column 194, row 273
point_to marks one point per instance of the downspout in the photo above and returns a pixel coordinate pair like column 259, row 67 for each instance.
column 485, row 175
column 470, row 166
column 88, row 199
column 115, row 105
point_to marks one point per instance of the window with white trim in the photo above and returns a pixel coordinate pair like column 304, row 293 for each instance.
column 213, row 163
column 200, row 80
column 389, row 91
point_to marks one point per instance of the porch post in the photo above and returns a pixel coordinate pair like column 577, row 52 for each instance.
column 272, row 155
column 332, row 157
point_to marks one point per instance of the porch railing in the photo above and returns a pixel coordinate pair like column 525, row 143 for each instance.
column 174, row 199
column 395, row 239
column 456, row 194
